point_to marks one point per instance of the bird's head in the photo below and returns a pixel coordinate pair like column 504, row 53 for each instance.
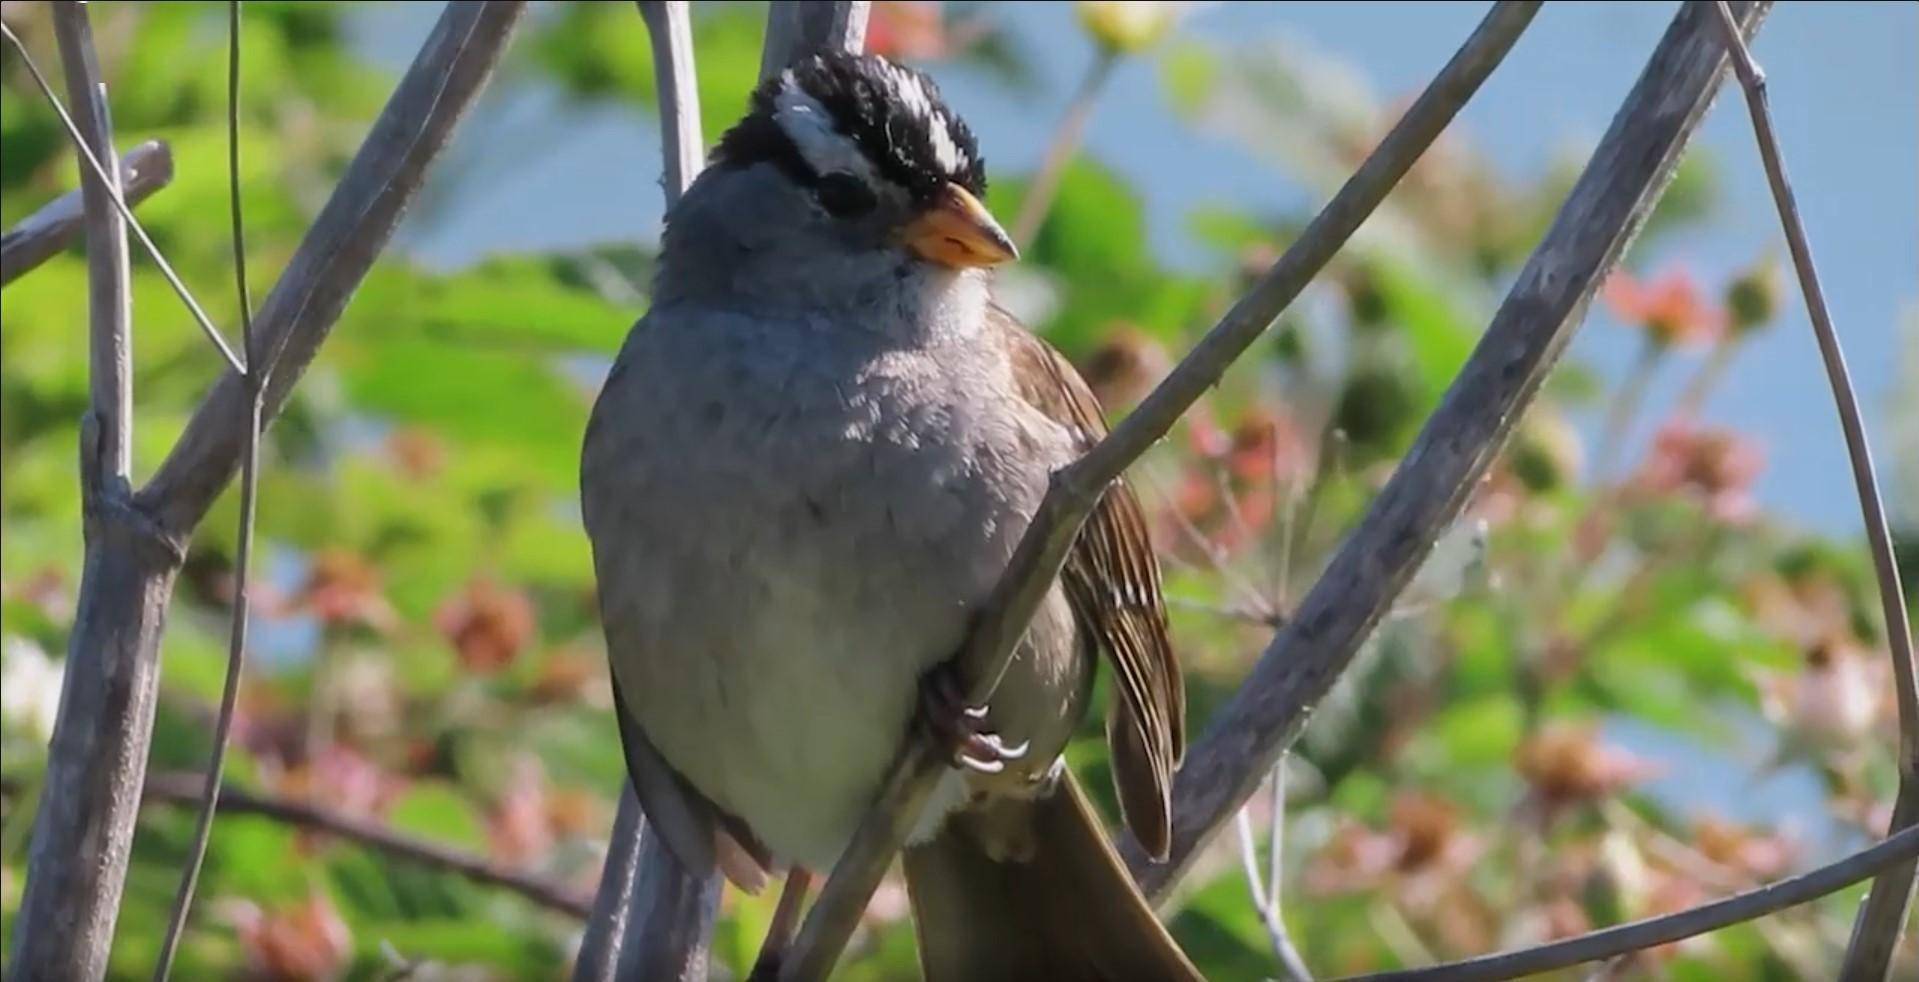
column 846, row 171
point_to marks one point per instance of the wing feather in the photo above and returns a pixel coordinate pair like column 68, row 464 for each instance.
column 1112, row 581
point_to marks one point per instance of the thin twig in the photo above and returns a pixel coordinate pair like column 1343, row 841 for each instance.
column 1883, row 916
column 185, row 790
column 1066, row 139
column 1901, row 847
column 1075, row 488
column 40, row 236
column 652, row 917
column 1624, row 411
column 1265, row 896
column 96, row 763
column 1329, row 465
column 1242, row 614
column 1534, row 324
column 1702, row 383
column 243, row 555
column 1252, row 601
column 126, row 211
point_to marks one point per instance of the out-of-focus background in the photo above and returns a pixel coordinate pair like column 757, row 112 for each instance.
column 1646, row 669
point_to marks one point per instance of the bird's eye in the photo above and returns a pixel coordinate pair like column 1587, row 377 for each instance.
column 844, row 195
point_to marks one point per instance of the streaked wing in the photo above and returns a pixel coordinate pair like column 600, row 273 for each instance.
column 1112, row 582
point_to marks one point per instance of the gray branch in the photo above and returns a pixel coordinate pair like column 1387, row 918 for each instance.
column 1889, row 853
column 187, row 791
column 642, row 885
column 797, row 28
column 109, row 293
column 135, row 545
column 40, row 236
column 669, row 26
column 1605, row 209
column 1003, row 618
column 78, row 895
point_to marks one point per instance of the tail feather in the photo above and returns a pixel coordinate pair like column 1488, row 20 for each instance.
column 1066, row 910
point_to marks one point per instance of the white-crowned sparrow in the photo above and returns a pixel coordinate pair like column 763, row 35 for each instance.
column 809, row 464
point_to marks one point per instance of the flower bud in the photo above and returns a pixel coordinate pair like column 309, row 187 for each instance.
column 1753, row 298
column 1126, row 28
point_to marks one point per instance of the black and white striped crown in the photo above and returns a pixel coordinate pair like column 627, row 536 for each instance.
column 857, row 114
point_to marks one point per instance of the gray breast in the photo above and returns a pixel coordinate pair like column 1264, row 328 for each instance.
column 790, row 523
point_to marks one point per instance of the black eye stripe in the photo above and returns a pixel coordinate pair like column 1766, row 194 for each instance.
column 844, row 195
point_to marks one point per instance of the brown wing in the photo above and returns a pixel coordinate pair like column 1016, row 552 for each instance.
column 1112, row 581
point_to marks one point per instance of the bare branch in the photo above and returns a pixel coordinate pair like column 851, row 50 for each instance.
column 109, row 292
column 1883, row 917
column 1605, row 208
column 243, row 552
column 184, row 790
column 40, row 236
column 643, row 886
column 97, row 760
column 1075, row 488
column 598, row 959
column 80, row 897
column 670, row 28
column 1265, row 894
column 795, row 29
column 1652, row 932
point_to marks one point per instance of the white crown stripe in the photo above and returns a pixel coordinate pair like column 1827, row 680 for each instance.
column 911, row 94
column 811, row 129
column 815, row 131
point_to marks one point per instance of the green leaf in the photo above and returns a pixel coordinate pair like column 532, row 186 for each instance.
column 1439, row 335
column 249, row 856
column 483, row 397
column 521, row 304
column 1479, row 732
column 438, row 811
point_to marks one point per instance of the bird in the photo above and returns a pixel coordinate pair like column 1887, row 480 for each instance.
column 809, row 463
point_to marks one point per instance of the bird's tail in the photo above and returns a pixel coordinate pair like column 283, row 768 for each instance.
column 1032, row 889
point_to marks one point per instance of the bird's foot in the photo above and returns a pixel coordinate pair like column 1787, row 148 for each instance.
column 960, row 730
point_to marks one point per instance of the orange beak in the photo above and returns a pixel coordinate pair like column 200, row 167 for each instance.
column 958, row 232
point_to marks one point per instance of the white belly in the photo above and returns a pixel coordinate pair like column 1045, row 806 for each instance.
column 788, row 544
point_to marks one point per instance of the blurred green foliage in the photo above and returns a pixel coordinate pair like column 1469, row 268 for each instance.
column 428, row 654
